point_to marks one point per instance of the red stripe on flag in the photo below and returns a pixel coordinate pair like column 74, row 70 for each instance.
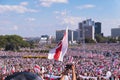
column 58, row 51
column 36, row 66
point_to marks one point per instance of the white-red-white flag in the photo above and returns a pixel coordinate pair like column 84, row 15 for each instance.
column 100, row 69
column 59, row 52
column 36, row 68
column 13, row 69
column 70, row 59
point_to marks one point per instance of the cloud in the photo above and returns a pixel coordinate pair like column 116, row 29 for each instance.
column 65, row 19
column 71, row 20
column 62, row 13
column 24, row 3
column 15, row 28
column 48, row 3
column 87, row 6
column 16, row 8
column 30, row 19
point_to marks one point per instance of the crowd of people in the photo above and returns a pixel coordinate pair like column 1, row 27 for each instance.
column 92, row 62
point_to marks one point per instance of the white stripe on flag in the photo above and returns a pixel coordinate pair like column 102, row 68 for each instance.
column 37, row 68
column 59, row 52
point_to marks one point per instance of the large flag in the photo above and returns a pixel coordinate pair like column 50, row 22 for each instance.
column 60, row 50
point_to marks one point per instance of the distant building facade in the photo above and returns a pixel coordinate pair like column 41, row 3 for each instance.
column 86, row 29
column 59, row 35
column 72, row 35
column 75, row 35
column 97, row 28
column 44, row 39
column 115, row 32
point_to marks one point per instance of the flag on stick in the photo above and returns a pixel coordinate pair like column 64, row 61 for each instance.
column 13, row 69
column 60, row 50
column 37, row 68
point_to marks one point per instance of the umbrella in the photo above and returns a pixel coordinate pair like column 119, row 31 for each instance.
column 23, row 76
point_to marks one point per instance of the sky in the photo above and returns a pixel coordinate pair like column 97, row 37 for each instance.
column 33, row 18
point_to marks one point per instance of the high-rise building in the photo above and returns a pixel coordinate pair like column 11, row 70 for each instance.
column 86, row 29
column 115, row 32
column 59, row 35
column 75, row 35
column 72, row 35
column 97, row 28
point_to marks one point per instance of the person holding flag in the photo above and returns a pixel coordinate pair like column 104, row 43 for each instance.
column 66, row 71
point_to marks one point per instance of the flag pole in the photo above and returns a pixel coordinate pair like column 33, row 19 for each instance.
column 83, row 41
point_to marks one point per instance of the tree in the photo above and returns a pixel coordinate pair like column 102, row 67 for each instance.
column 11, row 47
column 12, row 42
column 111, row 40
column 100, row 38
column 32, row 44
column 119, row 38
column 88, row 40
column 2, row 41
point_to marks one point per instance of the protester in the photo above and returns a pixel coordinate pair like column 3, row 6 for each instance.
column 66, row 74
column 94, row 63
